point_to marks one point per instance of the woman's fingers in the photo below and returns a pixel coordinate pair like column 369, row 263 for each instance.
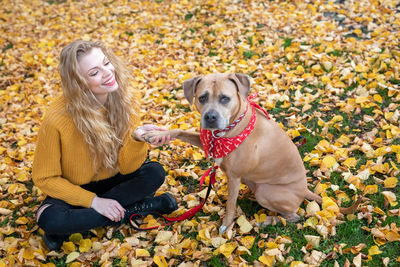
column 109, row 208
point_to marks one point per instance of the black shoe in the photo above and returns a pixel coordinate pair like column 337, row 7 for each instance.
column 163, row 204
column 54, row 242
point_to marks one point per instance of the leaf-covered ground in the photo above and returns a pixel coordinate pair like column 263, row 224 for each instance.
column 328, row 70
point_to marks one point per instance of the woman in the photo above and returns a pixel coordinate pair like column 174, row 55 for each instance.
column 88, row 160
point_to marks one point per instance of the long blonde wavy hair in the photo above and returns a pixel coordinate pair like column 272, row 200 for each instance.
column 103, row 133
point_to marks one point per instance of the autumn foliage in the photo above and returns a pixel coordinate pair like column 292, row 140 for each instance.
column 327, row 70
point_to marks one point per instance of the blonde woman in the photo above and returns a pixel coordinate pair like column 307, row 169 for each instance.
column 89, row 161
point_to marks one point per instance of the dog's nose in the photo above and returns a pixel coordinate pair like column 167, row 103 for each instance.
column 211, row 117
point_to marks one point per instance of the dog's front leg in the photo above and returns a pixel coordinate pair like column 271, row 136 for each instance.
column 192, row 138
column 233, row 192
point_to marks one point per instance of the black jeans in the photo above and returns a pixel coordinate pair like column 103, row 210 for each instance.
column 63, row 218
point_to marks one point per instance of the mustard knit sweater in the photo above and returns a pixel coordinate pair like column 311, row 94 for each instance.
column 62, row 160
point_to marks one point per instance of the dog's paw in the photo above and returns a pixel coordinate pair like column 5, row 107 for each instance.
column 222, row 229
column 156, row 137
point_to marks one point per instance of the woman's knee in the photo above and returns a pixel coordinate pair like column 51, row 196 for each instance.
column 156, row 171
column 52, row 219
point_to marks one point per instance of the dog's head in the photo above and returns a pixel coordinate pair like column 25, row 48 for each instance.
column 217, row 97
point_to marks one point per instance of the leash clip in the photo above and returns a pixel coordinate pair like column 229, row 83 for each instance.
column 216, row 135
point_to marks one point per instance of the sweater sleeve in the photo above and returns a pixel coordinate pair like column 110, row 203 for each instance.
column 47, row 171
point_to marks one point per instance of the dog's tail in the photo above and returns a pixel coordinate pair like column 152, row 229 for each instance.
column 349, row 210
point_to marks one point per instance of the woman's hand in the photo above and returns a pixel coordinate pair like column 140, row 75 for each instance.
column 109, row 208
column 140, row 134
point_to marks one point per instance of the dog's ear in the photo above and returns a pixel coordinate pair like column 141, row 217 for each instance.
column 189, row 88
column 242, row 82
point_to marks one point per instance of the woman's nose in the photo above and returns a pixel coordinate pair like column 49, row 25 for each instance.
column 107, row 71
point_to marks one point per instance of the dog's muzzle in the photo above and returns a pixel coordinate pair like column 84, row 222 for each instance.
column 211, row 120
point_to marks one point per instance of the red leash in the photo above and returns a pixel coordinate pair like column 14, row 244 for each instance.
column 187, row 215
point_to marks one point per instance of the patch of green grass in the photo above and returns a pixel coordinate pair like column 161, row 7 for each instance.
column 248, row 54
column 217, row 261
column 192, row 185
column 336, row 53
column 8, row 46
column 249, row 207
column 287, row 42
column 191, row 235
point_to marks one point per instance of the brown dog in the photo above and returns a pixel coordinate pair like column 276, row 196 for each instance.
column 266, row 161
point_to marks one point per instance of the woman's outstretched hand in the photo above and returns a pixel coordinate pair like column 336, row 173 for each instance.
column 141, row 134
column 109, row 208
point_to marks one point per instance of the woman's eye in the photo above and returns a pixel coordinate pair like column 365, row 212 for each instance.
column 93, row 74
column 108, row 62
column 224, row 100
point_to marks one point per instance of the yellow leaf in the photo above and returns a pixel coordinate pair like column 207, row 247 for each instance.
column 395, row 149
column 378, row 210
column 16, row 188
column 313, row 240
column 260, row 218
column 227, row 249
column 312, row 208
column 68, row 247
column 247, row 241
column 22, row 177
column 245, row 226
column 160, row 261
column 299, row 70
column 343, row 139
column 361, row 68
column 217, row 241
column 22, row 220
column 320, row 188
column 272, row 245
column 85, row 245
column 72, row 256
column 328, row 162
column 339, row 84
column 378, row 98
column 371, row 189
column 197, row 156
column 390, row 182
column 312, row 221
column 267, row 260
column 297, row 264
column 28, row 254
column 374, row 250
column 163, row 236
column 124, row 250
column 142, row 253
column 329, row 204
column 75, row 238
column 350, row 162
column 49, row 61
column 392, row 236
column 391, row 197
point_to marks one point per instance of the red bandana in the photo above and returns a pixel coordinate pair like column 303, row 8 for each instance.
column 218, row 147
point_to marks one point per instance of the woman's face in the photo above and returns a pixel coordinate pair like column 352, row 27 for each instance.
column 99, row 73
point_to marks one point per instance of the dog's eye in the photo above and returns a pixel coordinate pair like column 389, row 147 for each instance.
column 203, row 99
column 224, row 100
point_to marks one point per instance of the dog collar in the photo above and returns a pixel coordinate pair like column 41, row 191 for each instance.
column 218, row 147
